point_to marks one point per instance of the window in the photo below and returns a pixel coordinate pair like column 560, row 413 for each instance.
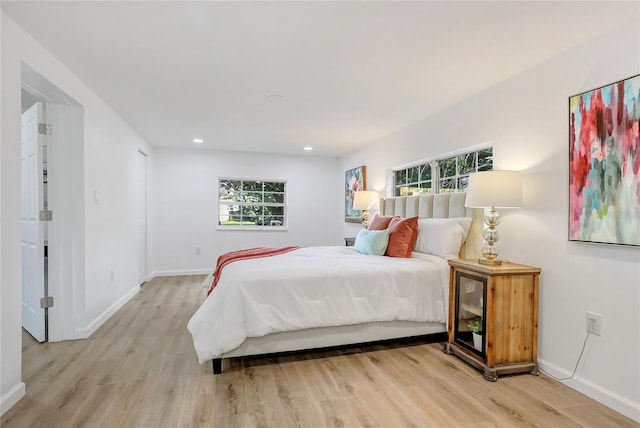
column 414, row 180
column 449, row 174
column 251, row 204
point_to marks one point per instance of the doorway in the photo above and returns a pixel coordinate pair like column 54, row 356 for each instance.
column 60, row 216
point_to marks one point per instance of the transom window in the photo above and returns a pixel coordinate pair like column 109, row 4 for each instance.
column 450, row 174
column 251, row 204
column 414, row 180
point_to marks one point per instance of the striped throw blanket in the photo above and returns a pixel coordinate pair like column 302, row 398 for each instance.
column 250, row 253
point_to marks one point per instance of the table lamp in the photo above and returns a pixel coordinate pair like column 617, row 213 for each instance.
column 491, row 189
column 364, row 200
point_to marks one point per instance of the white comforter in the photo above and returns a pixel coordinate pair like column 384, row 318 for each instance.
column 317, row 287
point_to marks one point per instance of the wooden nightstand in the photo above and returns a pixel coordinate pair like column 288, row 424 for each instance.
column 503, row 302
column 349, row 241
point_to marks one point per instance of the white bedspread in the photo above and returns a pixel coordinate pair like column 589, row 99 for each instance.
column 316, row 287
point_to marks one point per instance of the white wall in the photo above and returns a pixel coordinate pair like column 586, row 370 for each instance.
column 111, row 229
column 526, row 118
column 185, row 210
column 107, row 235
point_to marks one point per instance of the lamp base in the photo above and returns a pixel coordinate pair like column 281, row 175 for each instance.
column 494, row 262
column 365, row 219
column 490, row 236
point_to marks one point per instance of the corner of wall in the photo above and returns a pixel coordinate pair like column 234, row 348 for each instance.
column 609, row 398
column 96, row 323
column 181, row 272
column 12, row 396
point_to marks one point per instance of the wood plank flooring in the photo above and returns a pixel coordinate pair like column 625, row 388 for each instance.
column 140, row 370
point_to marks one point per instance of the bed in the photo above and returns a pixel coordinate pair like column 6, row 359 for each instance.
column 332, row 296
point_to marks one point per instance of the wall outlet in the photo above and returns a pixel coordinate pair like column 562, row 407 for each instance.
column 594, row 323
column 197, row 250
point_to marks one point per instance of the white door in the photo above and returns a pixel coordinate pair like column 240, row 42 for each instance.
column 32, row 228
column 141, row 217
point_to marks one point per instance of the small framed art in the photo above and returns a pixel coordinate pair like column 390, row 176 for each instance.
column 354, row 179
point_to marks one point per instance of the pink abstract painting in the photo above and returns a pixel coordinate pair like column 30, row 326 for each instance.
column 604, row 164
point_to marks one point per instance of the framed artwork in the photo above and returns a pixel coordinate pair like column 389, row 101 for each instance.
column 604, row 164
column 354, row 179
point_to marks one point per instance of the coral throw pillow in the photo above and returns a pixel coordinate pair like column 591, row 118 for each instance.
column 403, row 233
column 380, row 222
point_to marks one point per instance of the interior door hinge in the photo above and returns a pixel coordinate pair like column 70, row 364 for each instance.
column 46, row 215
column 45, row 129
column 46, row 302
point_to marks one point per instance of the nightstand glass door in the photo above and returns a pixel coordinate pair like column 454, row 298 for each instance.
column 471, row 295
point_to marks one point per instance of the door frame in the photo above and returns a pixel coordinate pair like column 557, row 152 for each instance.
column 66, row 271
column 144, row 195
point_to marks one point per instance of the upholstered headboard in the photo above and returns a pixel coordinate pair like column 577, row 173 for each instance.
column 444, row 205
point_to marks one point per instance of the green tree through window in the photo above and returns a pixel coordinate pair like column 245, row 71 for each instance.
column 251, row 203
column 442, row 175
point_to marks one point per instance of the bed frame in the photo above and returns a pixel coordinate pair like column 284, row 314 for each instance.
column 445, row 205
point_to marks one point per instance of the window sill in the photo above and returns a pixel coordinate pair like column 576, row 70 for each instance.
column 254, row 228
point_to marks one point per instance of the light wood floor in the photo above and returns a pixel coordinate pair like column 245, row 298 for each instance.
column 140, row 370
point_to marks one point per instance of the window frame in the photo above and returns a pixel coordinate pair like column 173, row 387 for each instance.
column 435, row 179
column 254, row 227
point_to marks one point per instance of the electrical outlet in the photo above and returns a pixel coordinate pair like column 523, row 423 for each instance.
column 594, row 323
column 197, row 250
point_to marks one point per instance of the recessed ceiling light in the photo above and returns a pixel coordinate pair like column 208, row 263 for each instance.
column 308, row 148
column 198, row 140
column 275, row 97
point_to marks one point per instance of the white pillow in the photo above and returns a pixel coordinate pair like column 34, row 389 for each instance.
column 442, row 237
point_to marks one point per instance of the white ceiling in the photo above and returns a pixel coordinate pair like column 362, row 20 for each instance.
column 347, row 73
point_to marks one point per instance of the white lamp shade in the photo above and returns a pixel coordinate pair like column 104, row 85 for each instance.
column 364, row 200
column 500, row 189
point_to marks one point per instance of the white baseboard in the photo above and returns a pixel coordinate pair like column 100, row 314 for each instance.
column 83, row 333
column 610, row 399
column 180, row 272
column 11, row 397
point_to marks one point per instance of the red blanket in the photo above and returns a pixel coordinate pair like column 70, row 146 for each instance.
column 250, row 253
